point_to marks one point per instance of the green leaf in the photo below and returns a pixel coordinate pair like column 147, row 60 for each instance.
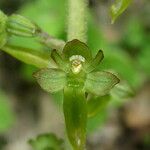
column 118, row 8
column 100, row 82
column 97, row 104
column 46, row 142
column 30, row 56
column 75, row 113
column 75, row 47
column 6, row 114
column 89, row 67
column 51, row 80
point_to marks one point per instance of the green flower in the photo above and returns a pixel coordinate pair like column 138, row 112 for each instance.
column 75, row 75
column 76, row 68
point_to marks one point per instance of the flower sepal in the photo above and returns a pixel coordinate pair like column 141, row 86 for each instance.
column 100, row 82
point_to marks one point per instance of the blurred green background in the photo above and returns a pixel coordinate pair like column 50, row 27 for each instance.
column 26, row 110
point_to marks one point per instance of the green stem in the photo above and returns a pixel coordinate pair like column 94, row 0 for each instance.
column 77, row 20
column 50, row 41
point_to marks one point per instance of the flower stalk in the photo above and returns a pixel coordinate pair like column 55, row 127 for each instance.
column 50, row 41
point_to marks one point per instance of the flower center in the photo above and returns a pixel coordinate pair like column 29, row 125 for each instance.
column 76, row 63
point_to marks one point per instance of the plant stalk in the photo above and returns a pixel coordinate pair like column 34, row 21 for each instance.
column 77, row 20
column 51, row 42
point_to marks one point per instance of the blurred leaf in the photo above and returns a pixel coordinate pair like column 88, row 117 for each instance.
column 46, row 142
column 3, row 33
column 6, row 115
column 3, row 142
column 30, row 56
column 3, row 20
column 134, row 35
column 48, row 16
column 96, row 40
column 26, row 72
column 97, row 104
column 144, row 60
column 32, row 43
column 3, row 39
column 118, row 8
column 146, row 141
column 96, row 121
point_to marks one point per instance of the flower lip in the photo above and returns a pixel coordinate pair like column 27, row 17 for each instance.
column 76, row 63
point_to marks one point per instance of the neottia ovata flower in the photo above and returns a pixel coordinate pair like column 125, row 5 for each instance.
column 76, row 76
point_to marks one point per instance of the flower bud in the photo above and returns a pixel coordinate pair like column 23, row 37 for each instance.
column 21, row 26
column 3, row 34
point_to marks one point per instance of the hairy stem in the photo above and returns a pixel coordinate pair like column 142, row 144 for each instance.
column 77, row 20
column 50, row 41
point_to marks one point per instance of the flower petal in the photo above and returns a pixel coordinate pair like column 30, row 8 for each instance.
column 62, row 64
column 75, row 47
column 89, row 67
column 100, row 82
column 51, row 80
